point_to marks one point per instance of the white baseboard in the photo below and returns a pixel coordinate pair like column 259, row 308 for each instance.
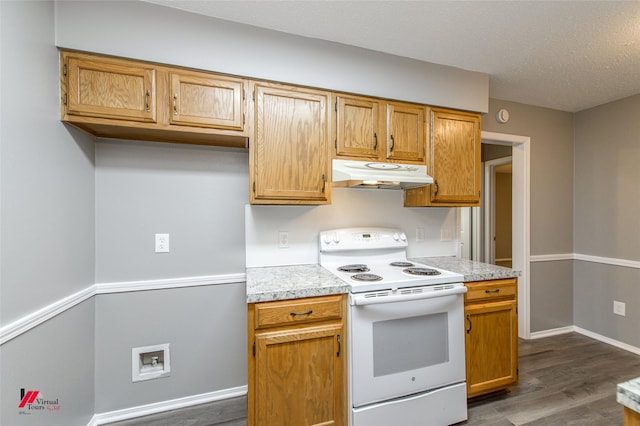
column 608, row 340
column 591, row 334
column 159, row 407
column 552, row 332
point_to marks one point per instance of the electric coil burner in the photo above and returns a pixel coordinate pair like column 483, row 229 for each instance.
column 402, row 264
column 372, row 259
column 366, row 277
column 421, row 271
column 358, row 267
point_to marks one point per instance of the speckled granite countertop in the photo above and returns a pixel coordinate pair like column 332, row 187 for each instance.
column 297, row 281
column 472, row 270
column 629, row 394
column 291, row 282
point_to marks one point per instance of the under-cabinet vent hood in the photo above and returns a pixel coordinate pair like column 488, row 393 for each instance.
column 367, row 174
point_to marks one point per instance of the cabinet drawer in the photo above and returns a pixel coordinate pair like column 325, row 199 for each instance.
column 487, row 290
column 298, row 311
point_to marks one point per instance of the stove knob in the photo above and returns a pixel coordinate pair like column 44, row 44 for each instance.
column 403, row 237
column 326, row 239
column 396, row 237
column 336, row 238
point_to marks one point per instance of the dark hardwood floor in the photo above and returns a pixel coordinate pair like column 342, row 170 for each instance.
column 568, row 379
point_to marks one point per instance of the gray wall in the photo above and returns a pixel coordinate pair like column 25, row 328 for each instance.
column 196, row 194
column 47, row 225
column 551, row 134
column 607, row 205
column 47, row 172
column 57, row 359
column 205, row 326
column 607, row 193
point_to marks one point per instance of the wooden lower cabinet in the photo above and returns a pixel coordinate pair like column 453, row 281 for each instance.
column 491, row 336
column 631, row 418
column 297, row 362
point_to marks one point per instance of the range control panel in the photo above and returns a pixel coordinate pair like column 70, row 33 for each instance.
column 362, row 239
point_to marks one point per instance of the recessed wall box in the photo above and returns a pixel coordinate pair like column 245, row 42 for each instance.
column 150, row 362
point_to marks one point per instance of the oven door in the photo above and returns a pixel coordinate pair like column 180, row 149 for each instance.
column 403, row 344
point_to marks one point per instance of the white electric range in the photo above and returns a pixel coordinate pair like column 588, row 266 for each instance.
column 406, row 330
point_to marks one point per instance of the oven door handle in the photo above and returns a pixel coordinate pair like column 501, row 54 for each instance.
column 380, row 297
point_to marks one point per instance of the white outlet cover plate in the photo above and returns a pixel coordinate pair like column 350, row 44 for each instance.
column 162, row 243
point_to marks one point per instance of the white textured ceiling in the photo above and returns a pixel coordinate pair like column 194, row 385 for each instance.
column 566, row 55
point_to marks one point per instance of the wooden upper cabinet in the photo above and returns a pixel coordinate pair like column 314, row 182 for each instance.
column 358, row 130
column 454, row 162
column 110, row 88
column 289, row 158
column 203, row 99
column 127, row 99
column 406, row 132
column 363, row 132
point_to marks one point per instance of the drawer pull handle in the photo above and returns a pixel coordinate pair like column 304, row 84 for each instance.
column 497, row 290
column 295, row 314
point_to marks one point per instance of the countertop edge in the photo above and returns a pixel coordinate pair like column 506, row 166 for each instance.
column 273, row 283
column 628, row 394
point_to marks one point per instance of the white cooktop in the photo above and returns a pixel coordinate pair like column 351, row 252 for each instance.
column 376, row 248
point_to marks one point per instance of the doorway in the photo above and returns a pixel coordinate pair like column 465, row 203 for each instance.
column 497, row 209
column 472, row 233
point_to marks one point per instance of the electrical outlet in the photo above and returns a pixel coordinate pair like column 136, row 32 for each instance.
column 283, row 239
column 162, row 243
column 619, row 308
column 419, row 234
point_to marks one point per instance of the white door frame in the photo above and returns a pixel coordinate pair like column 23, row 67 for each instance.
column 490, row 207
column 521, row 252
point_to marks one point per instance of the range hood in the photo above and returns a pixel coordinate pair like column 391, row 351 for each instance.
column 368, row 174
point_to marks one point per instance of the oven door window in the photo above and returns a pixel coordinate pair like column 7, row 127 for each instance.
column 407, row 344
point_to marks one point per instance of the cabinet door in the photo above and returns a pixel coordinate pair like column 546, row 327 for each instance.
column 455, row 157
column 290, row 155
column 406, row 132
column 491, row 346
column 299, row 377
column 454, row 162
column 202, row 99
column 357, row 129
column 110, row 88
